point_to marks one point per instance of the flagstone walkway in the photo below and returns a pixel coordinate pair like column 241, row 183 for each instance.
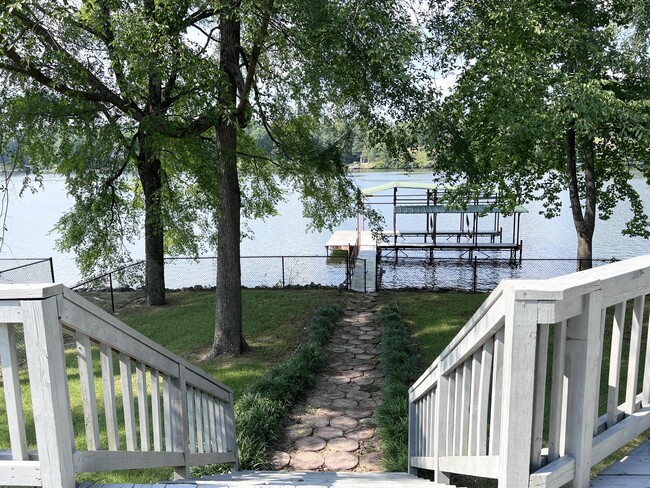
column 334, row 428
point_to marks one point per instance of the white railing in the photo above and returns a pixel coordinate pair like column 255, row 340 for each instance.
column 142, row 406
column 533, row 356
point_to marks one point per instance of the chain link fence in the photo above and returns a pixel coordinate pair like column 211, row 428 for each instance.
column 468, row 275
column 114, row 289
column 26, row 270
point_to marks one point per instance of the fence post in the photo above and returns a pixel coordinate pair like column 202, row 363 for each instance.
column 52, row 270
column 365, row 276
column 110, row 285
column 475, row 275
column 282, row 271
column 348, row 278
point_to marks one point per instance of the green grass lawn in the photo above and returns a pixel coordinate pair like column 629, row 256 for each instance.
column 434, row 318
column 274, row 322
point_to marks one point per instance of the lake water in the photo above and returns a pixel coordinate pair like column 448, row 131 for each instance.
column 31, row 218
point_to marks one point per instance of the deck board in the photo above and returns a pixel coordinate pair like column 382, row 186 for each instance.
column 282, row 478
column 633, row 471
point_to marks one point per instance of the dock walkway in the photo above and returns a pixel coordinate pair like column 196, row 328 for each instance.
column 364, row 278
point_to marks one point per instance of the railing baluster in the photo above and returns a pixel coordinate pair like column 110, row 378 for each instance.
column 127, row 401
column 167, row 413
column 484, row 398
column 191, row 418
column 143, row 405
column 465, row 410
column 108, row 385
column 645, row 396
column 615, row 364
column 156, row 421
column 422, row 425
column 634, row 357
column 458, row 414
column 497, row 395
column 441, row 442
column 206, row 423
column 599, row 372
column 557, row 421
column 222, row 428
column 13, row 395
column 88, row 397
column 539, row 400
column 231, row 443
column 213, row 425
column 199, row 421
column 474, row 403
column 180, row 422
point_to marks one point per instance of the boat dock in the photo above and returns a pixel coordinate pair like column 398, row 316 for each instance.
column 475, row 227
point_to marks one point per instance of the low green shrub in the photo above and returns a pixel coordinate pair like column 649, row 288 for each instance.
column 260, row 413
column 400, row 368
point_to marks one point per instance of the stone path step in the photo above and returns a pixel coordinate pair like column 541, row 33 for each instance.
column 334, row 429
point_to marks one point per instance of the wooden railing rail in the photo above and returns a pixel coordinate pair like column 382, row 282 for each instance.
column 516, row 395
column 143, row 406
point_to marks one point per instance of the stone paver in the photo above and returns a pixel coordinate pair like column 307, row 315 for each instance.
column 334, row 430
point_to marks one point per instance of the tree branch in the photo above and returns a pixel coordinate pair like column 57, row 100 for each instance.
column 254, row 59
column 102, row 93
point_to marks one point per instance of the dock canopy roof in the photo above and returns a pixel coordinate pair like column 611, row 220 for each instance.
column 440, row 209
column 403, row 184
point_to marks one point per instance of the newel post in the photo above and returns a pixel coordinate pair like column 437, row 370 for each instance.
column 582, row 366
column 519, row 348
column 49, row 387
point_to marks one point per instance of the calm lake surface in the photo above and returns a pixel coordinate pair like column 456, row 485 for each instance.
column 31, row 218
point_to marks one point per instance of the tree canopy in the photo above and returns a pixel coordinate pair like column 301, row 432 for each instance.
column 173, row 91
column 549, row 96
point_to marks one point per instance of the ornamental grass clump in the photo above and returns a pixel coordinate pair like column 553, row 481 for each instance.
column 400, row 368
column 260, row 413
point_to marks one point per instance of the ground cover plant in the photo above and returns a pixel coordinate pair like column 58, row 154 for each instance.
column 398, row 361
column 261, row 411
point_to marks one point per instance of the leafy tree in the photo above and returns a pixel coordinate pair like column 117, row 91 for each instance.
column 167, row 89
column 549, row 96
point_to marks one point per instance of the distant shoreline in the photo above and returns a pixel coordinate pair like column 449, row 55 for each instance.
column 381, row 166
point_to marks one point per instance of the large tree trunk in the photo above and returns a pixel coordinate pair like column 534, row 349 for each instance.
column 584, row 222
column 228, row 335
column 149, row 170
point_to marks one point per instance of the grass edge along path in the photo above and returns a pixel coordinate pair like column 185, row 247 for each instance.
column 260, row 413
column 399, row 364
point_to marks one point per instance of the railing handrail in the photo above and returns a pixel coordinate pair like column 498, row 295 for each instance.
column 195, row 410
